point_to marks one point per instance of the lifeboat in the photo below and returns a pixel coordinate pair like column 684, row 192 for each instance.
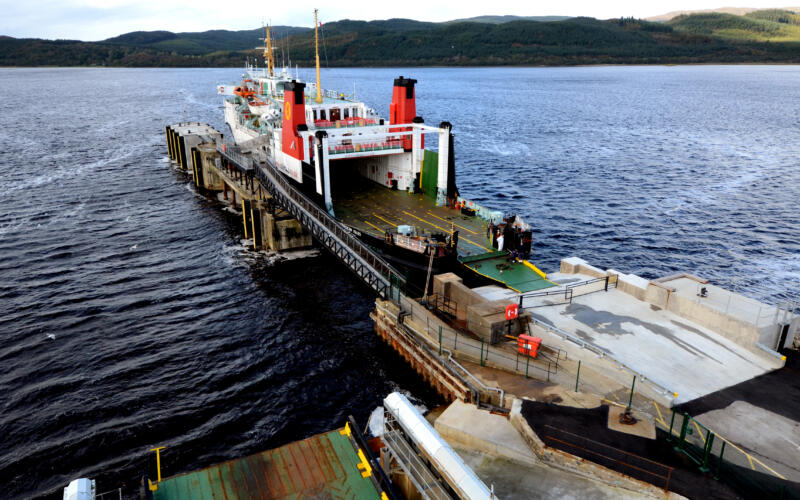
column 244, row 92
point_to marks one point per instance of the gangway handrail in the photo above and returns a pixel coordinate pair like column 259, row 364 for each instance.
column 377, row 273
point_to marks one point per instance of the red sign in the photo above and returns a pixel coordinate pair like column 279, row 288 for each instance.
column 512, row 311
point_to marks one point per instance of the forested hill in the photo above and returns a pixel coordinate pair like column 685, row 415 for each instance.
column 758, row 37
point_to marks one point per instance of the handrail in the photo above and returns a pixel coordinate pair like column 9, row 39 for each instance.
column 269, row 175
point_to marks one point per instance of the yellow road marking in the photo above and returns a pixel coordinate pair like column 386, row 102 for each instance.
column 447, row 231
column 750, row 458
column 660, row 416
column 451, row 222
column 699, row 431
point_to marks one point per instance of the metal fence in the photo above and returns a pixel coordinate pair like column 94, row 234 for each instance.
column 725, row 461
column 464, row 345
column 630, row 464
column 565, row 294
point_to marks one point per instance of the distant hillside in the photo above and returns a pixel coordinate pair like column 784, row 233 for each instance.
column 201, row 42
column 507, row 19
column 762, row 25
column 757, row 37
column 736, row 11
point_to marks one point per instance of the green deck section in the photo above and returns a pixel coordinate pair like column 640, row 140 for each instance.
column 323, row 466
column 515, row 275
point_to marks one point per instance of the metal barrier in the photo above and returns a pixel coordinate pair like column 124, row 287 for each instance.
column 428, row 484
column 362, row 260
column 632, row 465
column 571, row 290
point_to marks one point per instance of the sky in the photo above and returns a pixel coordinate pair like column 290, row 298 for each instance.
column 101, row 19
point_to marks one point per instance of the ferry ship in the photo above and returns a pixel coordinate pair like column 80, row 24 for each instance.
column 376, row 176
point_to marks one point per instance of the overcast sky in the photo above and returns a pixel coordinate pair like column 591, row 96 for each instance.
column 100, row 19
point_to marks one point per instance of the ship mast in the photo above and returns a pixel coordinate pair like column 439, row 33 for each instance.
column 270, row 62
column 318, row 99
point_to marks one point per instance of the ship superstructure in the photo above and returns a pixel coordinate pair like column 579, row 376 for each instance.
column 373, row 173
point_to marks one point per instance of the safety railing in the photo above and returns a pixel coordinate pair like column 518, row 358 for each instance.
column 375, row 271
column 344, row 123
column 466, row 346
column 426, row 482
column 567, row 292
column 363, row 147
column 630, row 464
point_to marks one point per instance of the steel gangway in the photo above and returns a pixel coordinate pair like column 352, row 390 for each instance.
column 378, row 274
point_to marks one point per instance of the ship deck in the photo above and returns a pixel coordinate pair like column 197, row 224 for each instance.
column 373, row 209
column 322, row 466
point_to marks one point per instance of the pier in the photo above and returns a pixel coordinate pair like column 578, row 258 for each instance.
column 584, row 342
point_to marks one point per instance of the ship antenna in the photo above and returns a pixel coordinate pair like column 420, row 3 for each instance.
column 316, row 51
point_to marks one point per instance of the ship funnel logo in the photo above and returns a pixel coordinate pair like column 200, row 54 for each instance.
column 287, row 110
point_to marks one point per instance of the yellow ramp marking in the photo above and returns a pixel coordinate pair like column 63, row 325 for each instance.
column 447, row 231
column 451, row 222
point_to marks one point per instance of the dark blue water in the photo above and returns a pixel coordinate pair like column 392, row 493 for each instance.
column 168, row 332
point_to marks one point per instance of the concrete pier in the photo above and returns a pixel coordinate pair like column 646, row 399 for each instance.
column 609, row 340
column 193, row 147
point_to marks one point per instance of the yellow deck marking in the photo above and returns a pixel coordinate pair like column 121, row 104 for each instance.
column 384, row 220
column 750, row 459
column 451, row 222
column 447, row 231
column 376, row 227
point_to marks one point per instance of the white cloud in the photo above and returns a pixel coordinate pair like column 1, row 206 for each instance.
column 100, row 19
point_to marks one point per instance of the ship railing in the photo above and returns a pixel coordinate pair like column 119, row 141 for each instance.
column 375, row 271
column 363, row 147
column 344, row 123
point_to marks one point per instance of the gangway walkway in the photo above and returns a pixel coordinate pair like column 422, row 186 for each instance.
column 368, row 265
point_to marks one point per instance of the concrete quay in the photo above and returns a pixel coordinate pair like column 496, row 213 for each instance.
column 609, row 341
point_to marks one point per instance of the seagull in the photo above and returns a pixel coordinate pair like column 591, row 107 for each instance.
column 134, row 246
column 51, row 336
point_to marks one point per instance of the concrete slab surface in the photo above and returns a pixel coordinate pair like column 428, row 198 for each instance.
column 773, row 438
column 669, row 350
column 512, row 481
column 642, row 428
column 466, row 425
column 725, row 301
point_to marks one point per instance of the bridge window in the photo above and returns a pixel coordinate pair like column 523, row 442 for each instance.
column 347, row 112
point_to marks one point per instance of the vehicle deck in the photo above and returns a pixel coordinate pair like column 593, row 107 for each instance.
column 322, row 466
column 374, row 209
